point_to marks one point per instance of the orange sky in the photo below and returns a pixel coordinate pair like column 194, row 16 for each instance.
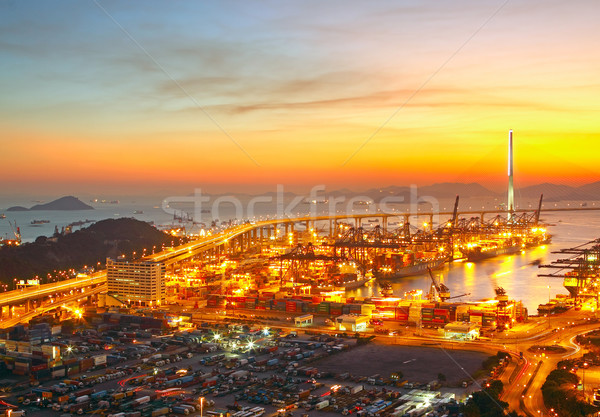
column 355, row 95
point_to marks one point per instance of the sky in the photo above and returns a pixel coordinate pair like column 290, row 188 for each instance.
column 143, row 97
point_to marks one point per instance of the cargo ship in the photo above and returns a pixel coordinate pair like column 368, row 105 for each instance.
column 418, row 267
column 341, row 282
column 36, row 222
column 480, row 252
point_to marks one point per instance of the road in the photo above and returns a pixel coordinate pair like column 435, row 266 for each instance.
column 42, row 309
column 565, row 328
column 179, row 253
column 16, row 297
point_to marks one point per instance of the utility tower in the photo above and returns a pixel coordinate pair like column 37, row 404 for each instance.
column 511, row 190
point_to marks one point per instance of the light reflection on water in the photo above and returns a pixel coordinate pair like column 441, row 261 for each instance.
column 515, row 273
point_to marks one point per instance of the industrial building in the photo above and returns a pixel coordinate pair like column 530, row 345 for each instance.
column 462, row 330
column 348, row 322
column 137, row 282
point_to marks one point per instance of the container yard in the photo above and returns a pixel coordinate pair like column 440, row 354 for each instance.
column 122, row 365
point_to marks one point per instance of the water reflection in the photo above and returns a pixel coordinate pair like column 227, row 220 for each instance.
column 517, row 274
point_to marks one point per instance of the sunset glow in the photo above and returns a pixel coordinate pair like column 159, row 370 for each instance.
column 228, row 95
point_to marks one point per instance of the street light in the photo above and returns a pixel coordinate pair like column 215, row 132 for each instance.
column 201, row 405
column 585, row 365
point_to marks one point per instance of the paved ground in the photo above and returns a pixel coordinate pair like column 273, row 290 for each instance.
column 419, row 364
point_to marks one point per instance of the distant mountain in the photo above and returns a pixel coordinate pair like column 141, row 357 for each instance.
column 452, row 189
column 552, row 192
column 592, row 189
column 555, row 192
column 62, row 204
column 443, row 190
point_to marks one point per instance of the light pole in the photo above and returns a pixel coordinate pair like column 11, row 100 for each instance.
column 201, row 405
column 583, row 381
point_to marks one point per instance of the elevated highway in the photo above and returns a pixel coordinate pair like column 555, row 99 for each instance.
column 4, row 324
column 21, row 296
column 246, row 235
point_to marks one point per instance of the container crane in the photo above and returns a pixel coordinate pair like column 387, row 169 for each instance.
column 443, row 292
column 15, row 229
column 438, row 288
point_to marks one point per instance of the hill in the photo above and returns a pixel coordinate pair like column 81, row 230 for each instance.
column 106, row 238
column 63, row 204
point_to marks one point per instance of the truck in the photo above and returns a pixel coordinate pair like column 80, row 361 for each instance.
column 180, row 410
column 322, row 404
column 161, row 412
column 373, row 379
column 98, row 395
column 433, row 385
column 239, row 374
column 74, row 408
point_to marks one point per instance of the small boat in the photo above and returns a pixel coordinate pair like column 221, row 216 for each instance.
column 138, row 212
column 2, row 216
column 385, row 289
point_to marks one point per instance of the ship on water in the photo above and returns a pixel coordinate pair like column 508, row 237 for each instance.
column 36, row 222
column 413, row 268
column 479, row 252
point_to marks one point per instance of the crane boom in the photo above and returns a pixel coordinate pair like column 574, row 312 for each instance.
column 442, row 291
column 455, row 213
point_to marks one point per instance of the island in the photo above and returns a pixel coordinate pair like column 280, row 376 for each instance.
column 68, row 203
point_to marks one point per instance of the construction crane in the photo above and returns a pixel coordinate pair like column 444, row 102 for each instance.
column 438, row 288
column 442, row 291
column 16, row 230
